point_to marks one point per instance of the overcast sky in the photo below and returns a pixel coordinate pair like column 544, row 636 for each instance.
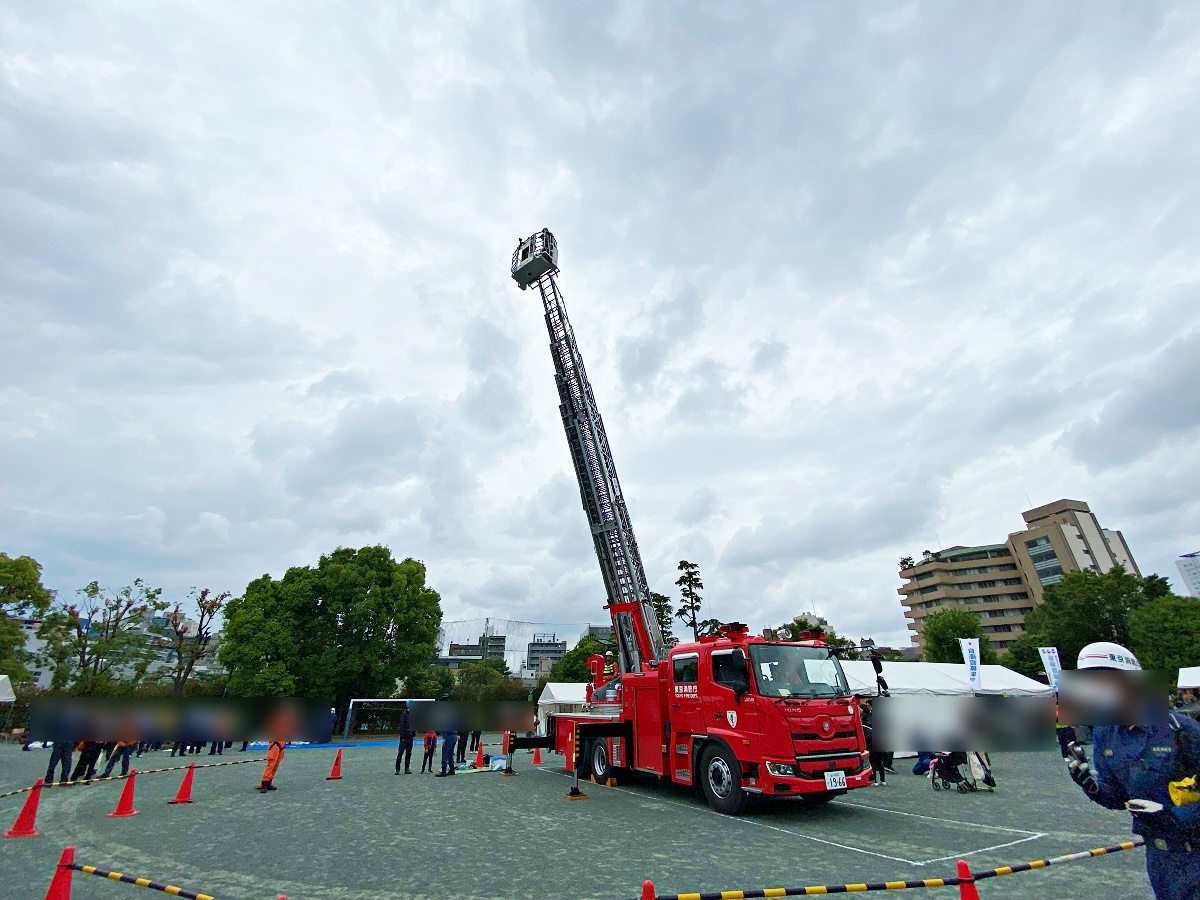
column 852, row 281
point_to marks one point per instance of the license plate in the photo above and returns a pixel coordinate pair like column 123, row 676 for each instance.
column 835, row 781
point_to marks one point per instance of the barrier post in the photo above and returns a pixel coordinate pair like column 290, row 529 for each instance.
column 575, row 793
column 509, row 771
column 966, row 883
column 60, row 884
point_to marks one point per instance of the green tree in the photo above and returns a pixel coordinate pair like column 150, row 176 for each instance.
column 350, row 627
column 1164, row 633
column 941, row 631
column 191, row 642
column 1087, row 606
column 22, row 595
column 690, row 585
column 481, row 681
column 1022, row 656
column 105, row 641
column 572, row 665
column 662, row 612
column 906, row 562
column 430, row 683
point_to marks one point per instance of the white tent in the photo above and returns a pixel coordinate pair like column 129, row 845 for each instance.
column 940, row 678
column 558, row 697
column 1189, row 677
column 6, row 690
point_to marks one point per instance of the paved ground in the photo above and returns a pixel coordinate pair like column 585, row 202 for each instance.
column 375, row 835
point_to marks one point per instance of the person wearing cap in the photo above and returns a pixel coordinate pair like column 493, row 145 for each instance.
column 610, row 665
column 1134, row 768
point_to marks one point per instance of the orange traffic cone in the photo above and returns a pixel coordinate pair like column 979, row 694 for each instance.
column 479, row 756
column 60, row 884
column 966, row 884
column 23, row 827
column 125, row 804
column 537, row 756
column 336, row 772
column 184, row 795
column 648, row 890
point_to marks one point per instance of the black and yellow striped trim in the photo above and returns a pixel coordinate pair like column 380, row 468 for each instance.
column 173, row 890
column 819, row 889
column 62, row 784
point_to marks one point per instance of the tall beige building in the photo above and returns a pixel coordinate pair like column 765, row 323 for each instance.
column 1001, row 583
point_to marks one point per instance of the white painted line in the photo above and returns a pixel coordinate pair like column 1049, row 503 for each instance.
column 704, row 810
column 972, row 825
column 982, row 850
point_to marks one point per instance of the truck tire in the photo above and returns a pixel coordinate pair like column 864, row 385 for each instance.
column 721, row 777
column 601, row 765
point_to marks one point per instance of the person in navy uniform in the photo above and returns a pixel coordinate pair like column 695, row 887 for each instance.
column 1133, row 767
column 448, row 740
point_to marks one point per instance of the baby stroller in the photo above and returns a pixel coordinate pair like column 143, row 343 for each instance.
column 946, row 772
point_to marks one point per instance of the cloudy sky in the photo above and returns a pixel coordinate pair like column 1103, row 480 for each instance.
column 852, row 281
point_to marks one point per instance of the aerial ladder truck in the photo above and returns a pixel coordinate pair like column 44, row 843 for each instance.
column 731, row 714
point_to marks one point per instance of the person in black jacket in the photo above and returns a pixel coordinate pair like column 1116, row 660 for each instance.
column 462, row 746
column 404, row 752
column 89, row 758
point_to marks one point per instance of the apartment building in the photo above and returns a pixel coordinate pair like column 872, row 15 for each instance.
column 1189, row 569
column 1001, row 583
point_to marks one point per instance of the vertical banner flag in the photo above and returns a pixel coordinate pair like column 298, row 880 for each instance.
column 1052, row 664
column 970, row 652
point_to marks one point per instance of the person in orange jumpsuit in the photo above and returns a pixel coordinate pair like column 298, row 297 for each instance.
column 274, row 758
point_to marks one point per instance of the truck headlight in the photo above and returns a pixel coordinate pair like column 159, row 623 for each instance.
column 781, row 769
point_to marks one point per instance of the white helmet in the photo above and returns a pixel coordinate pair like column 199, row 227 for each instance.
column 1107, row 655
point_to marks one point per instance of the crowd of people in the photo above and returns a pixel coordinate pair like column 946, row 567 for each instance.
column 455, row 746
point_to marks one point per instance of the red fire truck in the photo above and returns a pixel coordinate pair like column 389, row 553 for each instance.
column 732, row 714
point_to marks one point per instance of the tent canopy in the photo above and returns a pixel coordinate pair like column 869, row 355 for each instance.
column 940, row 678
column 563, row 692
column 6, row 690
column 1189, row 677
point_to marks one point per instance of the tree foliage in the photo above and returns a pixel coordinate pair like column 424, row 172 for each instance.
column 662, row 612
column 188, row 644
column 690, row 585
column 483, row 681
column 429, row 683
column 22, row 595
column 1022, row 656
column 1165, row 633
column 351, row 626
column 1087, row 606
column 104, row 641
column 941, row 631
column 572, row 665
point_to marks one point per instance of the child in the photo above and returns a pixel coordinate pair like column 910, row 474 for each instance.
column 430, row 746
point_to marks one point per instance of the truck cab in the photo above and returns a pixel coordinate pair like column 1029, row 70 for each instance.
column 750, row 716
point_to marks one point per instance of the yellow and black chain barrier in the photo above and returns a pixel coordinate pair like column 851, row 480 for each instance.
column 1056, row 860
column 61, row 784
column 818, row 889
column 172, row 889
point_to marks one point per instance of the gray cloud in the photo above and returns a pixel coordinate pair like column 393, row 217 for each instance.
column 841, row 276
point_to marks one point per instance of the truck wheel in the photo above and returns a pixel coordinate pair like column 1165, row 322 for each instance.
column 601, row 767
column 721, row 777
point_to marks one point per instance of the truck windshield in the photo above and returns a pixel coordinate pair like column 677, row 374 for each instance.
column 785, row 670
